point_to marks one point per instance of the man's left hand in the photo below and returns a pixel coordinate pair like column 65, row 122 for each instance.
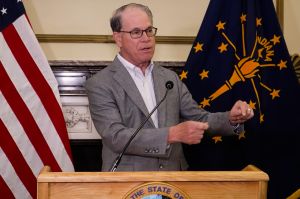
column 240, row 112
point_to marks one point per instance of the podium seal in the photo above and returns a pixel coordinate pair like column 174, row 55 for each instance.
column 156, row 190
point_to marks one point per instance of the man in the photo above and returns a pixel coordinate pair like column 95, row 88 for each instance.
column 124, row 93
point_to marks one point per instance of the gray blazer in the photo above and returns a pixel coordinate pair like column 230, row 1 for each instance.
column 117, row 110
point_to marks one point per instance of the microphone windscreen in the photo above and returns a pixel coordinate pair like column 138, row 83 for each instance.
column 169, row 85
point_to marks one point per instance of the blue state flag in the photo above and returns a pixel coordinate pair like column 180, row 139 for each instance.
column 240, row 54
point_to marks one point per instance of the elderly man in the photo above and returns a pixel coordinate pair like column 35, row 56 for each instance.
column 122, row 95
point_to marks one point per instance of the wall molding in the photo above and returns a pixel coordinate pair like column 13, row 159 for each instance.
column 72, row 38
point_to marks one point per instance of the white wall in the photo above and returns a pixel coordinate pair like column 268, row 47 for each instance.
column 172, row 17
column 291, row 26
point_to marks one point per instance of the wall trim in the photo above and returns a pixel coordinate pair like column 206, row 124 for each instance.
column 72, row 38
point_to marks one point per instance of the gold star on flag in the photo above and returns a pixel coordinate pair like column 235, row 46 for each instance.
column 282, row 64
column 252, row 105
column 258, row 21
column 183, row 75
column 205, row 102
column 275, row 39
column 198, row 47
column 275, row 93
column 217, row 139
column 243, row 18
column 220, row 25
column 223, row 47
column 204, row 74
column 242, row 135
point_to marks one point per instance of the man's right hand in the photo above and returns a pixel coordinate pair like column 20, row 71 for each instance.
column 190, row 132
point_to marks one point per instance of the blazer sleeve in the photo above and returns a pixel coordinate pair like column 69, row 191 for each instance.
column 189, row 110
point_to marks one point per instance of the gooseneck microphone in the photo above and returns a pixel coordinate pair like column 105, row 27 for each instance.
column 169, row 85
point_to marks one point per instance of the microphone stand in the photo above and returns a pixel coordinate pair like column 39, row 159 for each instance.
column 169, row 86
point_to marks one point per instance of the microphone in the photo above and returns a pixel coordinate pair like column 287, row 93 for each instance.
column 169, row 85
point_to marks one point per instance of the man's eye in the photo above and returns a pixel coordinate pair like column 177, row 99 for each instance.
column 136, row 32
column 149, row 30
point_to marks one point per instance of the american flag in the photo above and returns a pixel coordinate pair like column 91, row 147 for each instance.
column 32, row 127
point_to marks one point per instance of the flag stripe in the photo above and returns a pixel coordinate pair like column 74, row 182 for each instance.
column 24, row 116
column 12, row 179
column 4, row 190
column 16, row 158
column 39, row 60
column 20, row 137
column 30, row 68
column 25, row 32
column 32, row 101
column 32, row 128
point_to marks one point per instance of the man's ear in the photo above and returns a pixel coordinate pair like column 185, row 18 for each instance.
column 118, row 39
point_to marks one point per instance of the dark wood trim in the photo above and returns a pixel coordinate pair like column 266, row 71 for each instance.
column 73, row 38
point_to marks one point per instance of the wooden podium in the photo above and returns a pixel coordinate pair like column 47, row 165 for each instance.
column 248, row 183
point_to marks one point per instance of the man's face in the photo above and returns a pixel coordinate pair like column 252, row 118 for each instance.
column 137, row 51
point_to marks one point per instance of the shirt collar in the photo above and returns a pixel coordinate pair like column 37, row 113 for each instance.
column 133, row 68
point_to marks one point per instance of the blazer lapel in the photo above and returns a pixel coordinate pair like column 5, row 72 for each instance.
column 126, row 82
column 160, row 90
